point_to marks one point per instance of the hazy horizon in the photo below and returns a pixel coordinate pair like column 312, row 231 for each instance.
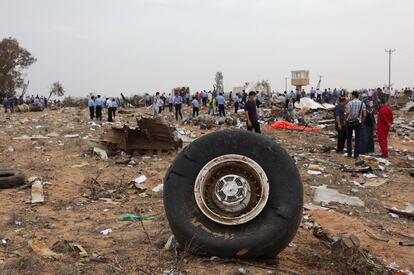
column 138, row 46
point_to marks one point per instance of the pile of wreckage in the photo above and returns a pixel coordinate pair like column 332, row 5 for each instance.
column 150, row 134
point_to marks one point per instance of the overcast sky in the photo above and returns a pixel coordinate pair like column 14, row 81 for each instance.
column 137, row 46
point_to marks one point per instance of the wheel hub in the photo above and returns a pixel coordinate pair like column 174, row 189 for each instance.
column 231, row 189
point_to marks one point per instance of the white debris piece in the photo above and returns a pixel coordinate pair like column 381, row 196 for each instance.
column 101, row 153
column 106, row 231
column 140, row 179
column 326, row 195
column 314, row 172
column 158, row 188
column 37, row 191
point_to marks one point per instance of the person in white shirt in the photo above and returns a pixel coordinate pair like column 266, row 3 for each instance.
column 196, row 108
column 156, row 104
column 312, row 93
column 318, row 95
column 108, row 104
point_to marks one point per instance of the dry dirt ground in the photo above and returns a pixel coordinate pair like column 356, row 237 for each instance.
column 70, row 213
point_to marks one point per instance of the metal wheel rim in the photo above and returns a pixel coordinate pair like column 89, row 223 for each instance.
column 231, row 189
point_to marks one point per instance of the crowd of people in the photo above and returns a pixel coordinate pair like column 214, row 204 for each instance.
column 96, row 105
column 11, row 102
column 356, row 117
column 213, row 102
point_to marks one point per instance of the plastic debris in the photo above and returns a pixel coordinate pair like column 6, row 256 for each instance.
column 393, row 266
column 132, row 217
column 140, row 180
column 158, row 188
column 370, row 176
column 106, row 231
column 314, row 172
column 284, row 125
column 97, row 257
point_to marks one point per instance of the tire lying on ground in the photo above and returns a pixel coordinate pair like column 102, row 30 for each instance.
column 234, row 193
column 10, row 178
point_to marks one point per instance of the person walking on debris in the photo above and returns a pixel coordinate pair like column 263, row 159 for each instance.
column 98, row 106
column 109, row 107
column 385, row 120
column 355, row 118
column 196, row 108
column 204, row 97
column 298, row 95
column 211, row 105
column 187, row 98
column 285, row 94
column 339, row 113
column 312, row 93
column 114, row 107
column 335, row 95
column 251, row 113
column 244, row 97
column 91, row 105
column 367, row 132
column 236, row 103
column 318, row 95
column 170, row 102
column 178, row 102
column 156, row 104
column 164, row 99
column 221, row 104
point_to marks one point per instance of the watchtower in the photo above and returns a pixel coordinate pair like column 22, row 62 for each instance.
column 300, row 79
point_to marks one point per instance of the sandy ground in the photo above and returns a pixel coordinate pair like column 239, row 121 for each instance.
column 69, row 214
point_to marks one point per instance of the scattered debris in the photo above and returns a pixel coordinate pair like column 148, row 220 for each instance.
column 106, row 231
column 326, row 195
column 158, row 188
column 132, row 217
column 101, row 153
column 313, row 172
column 408, row 212
column 41, row 249
column 37, row 190
column 71, row 136
column 140, row 179
column 346, row 246
column 151, row 134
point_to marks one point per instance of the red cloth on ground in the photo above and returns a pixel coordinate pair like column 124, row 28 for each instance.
column 385, row 120
column 282, row 125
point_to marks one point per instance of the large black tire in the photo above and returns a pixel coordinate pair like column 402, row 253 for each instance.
column 262, row 237
column 10, row 178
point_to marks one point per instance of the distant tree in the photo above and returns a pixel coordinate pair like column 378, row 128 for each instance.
column 56, row 89
column 13, row 60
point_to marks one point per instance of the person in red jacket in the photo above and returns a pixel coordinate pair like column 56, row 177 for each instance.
column 385, row 120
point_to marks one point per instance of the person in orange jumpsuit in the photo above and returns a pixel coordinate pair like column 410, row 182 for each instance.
column 385, row 120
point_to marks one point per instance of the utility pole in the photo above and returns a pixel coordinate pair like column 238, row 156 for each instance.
column 286, row 84
column 389, row 51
